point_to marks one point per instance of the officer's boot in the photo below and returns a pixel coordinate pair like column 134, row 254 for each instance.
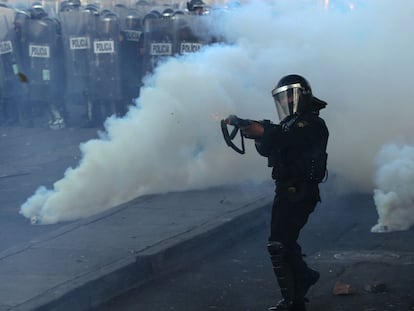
column 305, row 282
column 57, row 122
column 89, row 115
column 305, row 277
column 285, row 278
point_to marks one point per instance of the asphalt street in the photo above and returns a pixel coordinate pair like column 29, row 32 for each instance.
column 337, row 242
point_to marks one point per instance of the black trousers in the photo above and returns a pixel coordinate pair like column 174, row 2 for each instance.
column 292, row 205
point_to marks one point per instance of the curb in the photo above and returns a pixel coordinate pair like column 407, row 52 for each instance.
column 90, row 290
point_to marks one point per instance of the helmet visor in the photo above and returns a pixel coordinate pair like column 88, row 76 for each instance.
column 287, row 99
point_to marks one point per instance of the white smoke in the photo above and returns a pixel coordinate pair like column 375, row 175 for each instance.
column 359, row 61
column 394, row 197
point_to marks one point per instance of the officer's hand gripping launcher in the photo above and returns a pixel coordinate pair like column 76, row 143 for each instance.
column 237, row 123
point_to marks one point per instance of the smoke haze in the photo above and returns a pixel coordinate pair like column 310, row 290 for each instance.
column 394, row 196
column 359, row 61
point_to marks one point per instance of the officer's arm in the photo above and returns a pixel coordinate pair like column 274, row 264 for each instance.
column 271, row 136
column 252, row 129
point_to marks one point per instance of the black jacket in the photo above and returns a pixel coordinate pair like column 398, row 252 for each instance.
column 296, row 148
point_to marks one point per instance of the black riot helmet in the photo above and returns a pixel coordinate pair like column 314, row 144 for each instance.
column 74, row 4
column 196, row 6
column 133, row 21
column 65, row 6
column 147, row 21
column 92, row 9
column 157, row 13
column 292, row 95
column 37, row 11
column 109, row 23
column 142, row 2
column 168, row 13
column 20, row 19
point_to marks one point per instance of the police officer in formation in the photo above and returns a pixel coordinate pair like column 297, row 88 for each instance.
column 296, row 151
column 84, row 59
column 8, row 82
column 131, row 62
column 43, row 65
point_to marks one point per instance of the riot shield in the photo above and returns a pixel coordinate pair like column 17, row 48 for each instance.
column 8, row 57
column 12, row 91
column 104, row 68
column 76, row 26
column 42, row 50
column 105, row 63
column 159, row 39
column 42, row 54
column 131, row 60
column 190, row 37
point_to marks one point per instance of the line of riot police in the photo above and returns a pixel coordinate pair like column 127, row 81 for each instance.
column 86, row 59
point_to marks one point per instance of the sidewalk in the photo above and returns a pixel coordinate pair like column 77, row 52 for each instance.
column 83, row 263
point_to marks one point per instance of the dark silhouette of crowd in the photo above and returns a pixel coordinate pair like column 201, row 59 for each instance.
column 79, row 64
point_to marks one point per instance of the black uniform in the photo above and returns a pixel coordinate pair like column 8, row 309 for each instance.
column 296, row 151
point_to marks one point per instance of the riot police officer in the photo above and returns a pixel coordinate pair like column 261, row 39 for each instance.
column 157, row 41
column 10, row 88
column 296, row 151
column 77, row 27
column 131, row 60
column 105, row 67
column 42, row 48
column 187, row 41
column 21, row 19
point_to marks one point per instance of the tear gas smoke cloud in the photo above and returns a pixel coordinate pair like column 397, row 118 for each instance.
column 359, row 61
column 394, row 196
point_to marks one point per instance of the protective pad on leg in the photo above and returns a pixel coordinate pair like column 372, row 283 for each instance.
column 282, row 269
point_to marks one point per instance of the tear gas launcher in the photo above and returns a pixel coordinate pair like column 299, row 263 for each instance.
column 237, row 123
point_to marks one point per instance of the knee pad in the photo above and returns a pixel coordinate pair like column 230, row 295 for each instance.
column 277, row 251
column 282, row 269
